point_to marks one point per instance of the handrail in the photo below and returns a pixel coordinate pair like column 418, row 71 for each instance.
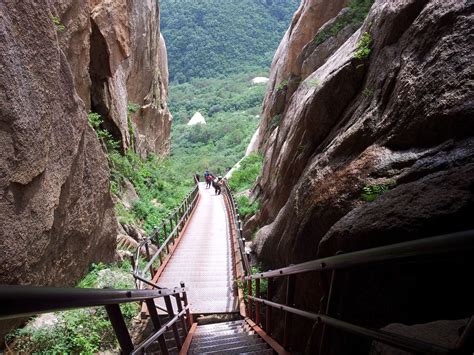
column 393, row 339
column 23, row 301
column 460, row 242
column 443, row 244
column 175, row 223
column 238, row 227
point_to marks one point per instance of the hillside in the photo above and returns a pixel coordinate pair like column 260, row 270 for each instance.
column 213, row 38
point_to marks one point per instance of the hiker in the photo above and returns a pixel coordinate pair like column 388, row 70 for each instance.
column 216, row 183
column 197, row 177
column 206, row 177
column 209, row 179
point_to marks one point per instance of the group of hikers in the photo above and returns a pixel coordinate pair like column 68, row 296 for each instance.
column 210, row 179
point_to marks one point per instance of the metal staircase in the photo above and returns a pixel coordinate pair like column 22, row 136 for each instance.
column 228, row 338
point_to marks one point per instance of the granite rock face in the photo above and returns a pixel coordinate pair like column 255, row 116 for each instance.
column 59, row 61
column 118, row 58
column 399, row 118
column 56, row 212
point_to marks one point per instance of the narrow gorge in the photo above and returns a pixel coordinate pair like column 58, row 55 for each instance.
column 358, row 134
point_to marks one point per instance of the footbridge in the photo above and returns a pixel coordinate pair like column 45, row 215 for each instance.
column 198, row 292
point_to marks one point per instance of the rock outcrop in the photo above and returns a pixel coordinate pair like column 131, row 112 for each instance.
column 59, row 61
column 119, row 60
column 340, row 116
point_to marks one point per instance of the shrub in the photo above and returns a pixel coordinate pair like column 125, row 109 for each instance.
column 363, row 46
column 244, row 177
column 372, row 192
column 246, row 208
column 57, row 23
column 85, row 331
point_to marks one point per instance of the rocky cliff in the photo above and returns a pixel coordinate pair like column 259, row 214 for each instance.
column 60, row 60
column 381, row 113
column 118, row 58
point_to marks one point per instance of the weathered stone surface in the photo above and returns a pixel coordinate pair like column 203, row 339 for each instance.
column 443, row 333
column 55, row 203
column 401, row 116
column 129, row 195
column 120, row 62
column 310, row 16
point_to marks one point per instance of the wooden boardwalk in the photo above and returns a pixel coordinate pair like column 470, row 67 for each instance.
column 203, row 258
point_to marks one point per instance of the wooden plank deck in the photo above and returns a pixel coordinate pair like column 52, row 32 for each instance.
column 203, row 259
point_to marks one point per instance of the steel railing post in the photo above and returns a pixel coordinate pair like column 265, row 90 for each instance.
column 180, row 308
column 169, row 309
column 290, row 299
column 120, row 328
column 268, row 314
column 185, row 302
column 257, row 304
column 155, row 319
column 250, row 293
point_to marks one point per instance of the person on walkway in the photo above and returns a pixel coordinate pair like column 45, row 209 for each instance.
column 209, row 179
column 197, row 177
column 216, row 183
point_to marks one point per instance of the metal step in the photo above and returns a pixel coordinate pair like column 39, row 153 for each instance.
column 223, row 346
column 240, row 350
column 212, row 335
column 220, row 325
column 238, row 338
column 222, row 337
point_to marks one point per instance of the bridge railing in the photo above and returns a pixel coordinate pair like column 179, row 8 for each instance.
column 24, row 301
column 455, row 243
column 237, row 227
column 168, row 232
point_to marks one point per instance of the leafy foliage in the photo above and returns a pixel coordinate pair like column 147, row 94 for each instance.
column 211, row 38
column 246, row 208
column 363, row 46
column 57, row 23
column 230, row 106
column 244, row 177
column 85, row 331
column 355, row 16
column 372, row 192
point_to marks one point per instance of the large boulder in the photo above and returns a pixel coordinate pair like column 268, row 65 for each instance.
column 398, row 118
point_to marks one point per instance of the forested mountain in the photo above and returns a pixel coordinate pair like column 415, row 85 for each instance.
column 210, row 38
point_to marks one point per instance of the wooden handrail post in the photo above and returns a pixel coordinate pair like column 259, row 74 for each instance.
column 155, row 319
column 290, row 299
column 268, row 315
column 257, row 304
column 120, row 328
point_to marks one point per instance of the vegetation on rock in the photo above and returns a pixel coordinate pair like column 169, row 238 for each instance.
column 357, row 11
